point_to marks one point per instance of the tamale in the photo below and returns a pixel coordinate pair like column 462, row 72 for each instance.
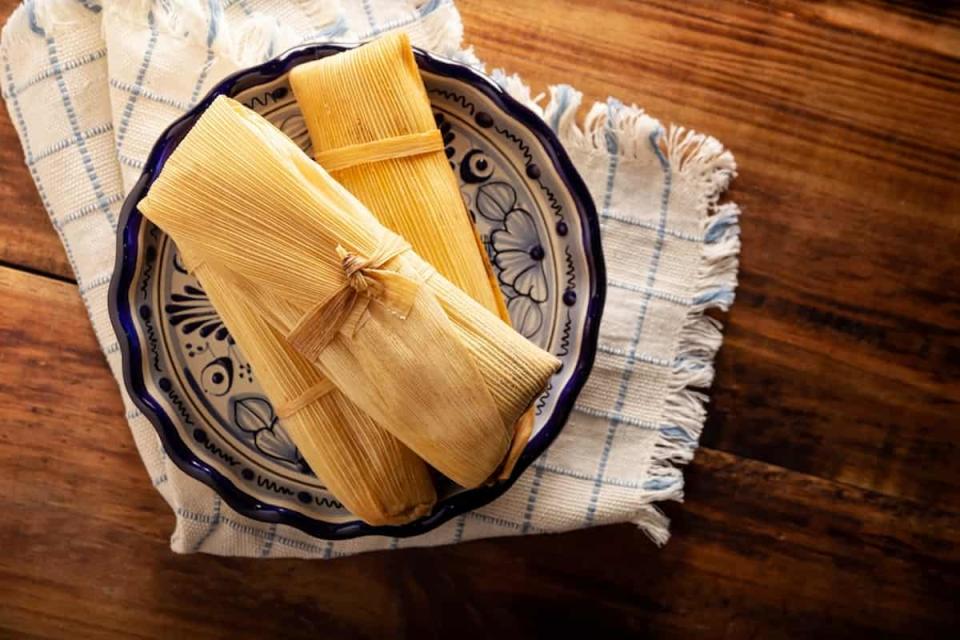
column 372, row 473
column 370, row 123
column 423, row 359
column 373, row 94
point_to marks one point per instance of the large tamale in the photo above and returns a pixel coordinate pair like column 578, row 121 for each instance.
column 370, row 123
column 372, row 473
column 423, row 359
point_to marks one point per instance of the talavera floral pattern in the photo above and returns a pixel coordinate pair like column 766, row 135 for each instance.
column 190, row 360
column 515, row 247
column 254, row 415
column 192, row 311
column 518, row 254
column 220, row 369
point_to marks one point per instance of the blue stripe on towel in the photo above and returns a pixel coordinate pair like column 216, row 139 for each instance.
column 214, row 523
column 628, row 367
column 81, row 141
column 138, row 82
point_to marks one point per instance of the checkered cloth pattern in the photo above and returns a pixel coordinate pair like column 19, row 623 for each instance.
column 89, row 84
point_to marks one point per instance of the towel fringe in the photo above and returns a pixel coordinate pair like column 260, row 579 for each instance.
column 701, row 162
column 201, row 23
column 42, row 18
column 439, row 30
column 608, row 126
column 653, row 522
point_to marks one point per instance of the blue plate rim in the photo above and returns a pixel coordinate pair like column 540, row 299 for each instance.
column 127, row 257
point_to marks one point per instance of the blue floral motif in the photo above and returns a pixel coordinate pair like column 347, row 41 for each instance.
column 254, row 415
column 526, row 315
column 518, row 255
column 192, row 311
column 446, row 132
column 494, row 200
column 513, row 245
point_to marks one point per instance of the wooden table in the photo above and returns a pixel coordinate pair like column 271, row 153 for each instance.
column 826, row 498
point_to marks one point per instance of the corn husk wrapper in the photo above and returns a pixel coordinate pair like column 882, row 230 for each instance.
column 424, row 360
column 370, row 122
column 372, row 94
column 372, row 473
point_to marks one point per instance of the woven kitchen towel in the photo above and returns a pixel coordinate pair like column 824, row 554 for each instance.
column 89, row 85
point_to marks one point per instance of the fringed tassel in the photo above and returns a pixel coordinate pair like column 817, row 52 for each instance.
column 42, row 18
column 438, row 29
column 258, row 38
column 201, row 23
column 654, row 523
column 701, row 161
column 708, row 165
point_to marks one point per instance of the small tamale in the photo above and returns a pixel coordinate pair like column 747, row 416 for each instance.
column 364, row 98
column 423, row 359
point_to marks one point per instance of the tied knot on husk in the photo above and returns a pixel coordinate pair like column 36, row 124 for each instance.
column 354, row 267
column 366, row 280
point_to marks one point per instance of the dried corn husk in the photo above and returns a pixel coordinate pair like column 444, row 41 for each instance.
column 374, row 475
column 374, row 94
column 373, row 130
column 425, row 361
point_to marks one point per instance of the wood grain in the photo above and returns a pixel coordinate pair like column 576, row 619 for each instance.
column 845, row 335
column 826, row 501
column 758, row 550
column 28, row 239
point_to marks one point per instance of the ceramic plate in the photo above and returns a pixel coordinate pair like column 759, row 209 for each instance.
column 184, row 371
